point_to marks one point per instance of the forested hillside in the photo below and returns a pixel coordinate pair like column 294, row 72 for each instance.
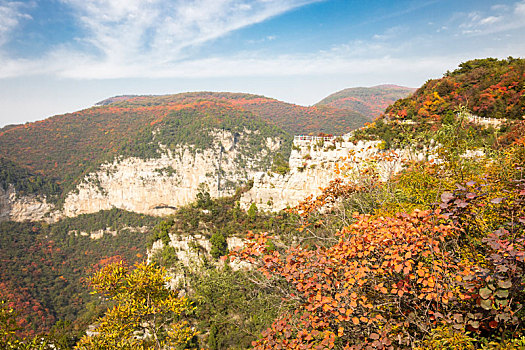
column 292, row 118
column 489, row 88
column 369, row 101
column 43, row 267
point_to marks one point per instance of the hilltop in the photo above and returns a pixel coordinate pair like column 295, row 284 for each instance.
column 292, row 118
column 489, row 88
column 369, row 101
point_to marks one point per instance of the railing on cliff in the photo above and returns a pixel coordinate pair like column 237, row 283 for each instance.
column 485, row 121
column 313, row 138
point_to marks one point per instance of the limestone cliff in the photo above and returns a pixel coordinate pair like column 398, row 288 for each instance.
column 313, row 162
column 20, row 208
column 155, row 186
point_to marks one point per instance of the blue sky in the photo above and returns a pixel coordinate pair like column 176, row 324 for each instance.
column 59, row 56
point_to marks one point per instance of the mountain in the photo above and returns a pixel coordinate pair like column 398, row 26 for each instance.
column 179, row 141
column 292, row 118
column 92, row 178
column 94, row 174
column 369, row 101
column 489, row 88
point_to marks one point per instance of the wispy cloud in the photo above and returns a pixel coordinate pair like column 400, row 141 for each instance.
column 11, row 14
column 390, row 33
column 125, row 38
column 500, row 18
column 133, row 38
column 162, row 39
column 160, row 30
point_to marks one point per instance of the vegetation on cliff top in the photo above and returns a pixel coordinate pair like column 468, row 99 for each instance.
column 61, row 150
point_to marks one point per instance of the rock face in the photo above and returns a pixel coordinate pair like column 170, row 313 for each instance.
column 159, row 185
column 15, row 208
column 189, row 249
column 154, row 186
column 313, row 163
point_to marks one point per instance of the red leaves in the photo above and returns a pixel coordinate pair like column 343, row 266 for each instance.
column 376, row 264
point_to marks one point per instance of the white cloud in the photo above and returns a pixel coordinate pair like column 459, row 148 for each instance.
column 389, row 34
column 134, row 38
column 501, row 18
column 490, row 20
column 157, row 39
column 11, row 13
column 128, row 31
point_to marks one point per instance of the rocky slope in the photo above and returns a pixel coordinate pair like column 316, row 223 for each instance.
column 20, row 208
column 158, row 186
column 149, row 154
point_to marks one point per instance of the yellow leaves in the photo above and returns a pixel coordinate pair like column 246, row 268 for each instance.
column 140, row 294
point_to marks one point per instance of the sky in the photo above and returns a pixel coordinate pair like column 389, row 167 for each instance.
column 59, row 56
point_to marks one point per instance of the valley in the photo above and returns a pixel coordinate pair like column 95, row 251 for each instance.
column 283, row 225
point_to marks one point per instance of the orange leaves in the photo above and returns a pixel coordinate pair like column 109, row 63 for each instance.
column 377, row 265
column 329, row 195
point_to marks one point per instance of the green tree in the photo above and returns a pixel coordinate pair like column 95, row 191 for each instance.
column 252, row 211
column 219, row 246
column 146, row 313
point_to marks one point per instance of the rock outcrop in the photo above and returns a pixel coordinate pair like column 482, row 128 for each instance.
column 313, row 164
column 21, row 208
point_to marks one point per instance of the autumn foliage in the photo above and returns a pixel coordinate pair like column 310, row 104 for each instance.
column 415, row 279
column 489, row 87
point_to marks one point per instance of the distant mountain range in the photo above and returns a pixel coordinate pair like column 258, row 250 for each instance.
column 369, row 101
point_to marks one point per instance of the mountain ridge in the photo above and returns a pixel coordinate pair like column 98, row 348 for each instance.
column 369, row 101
